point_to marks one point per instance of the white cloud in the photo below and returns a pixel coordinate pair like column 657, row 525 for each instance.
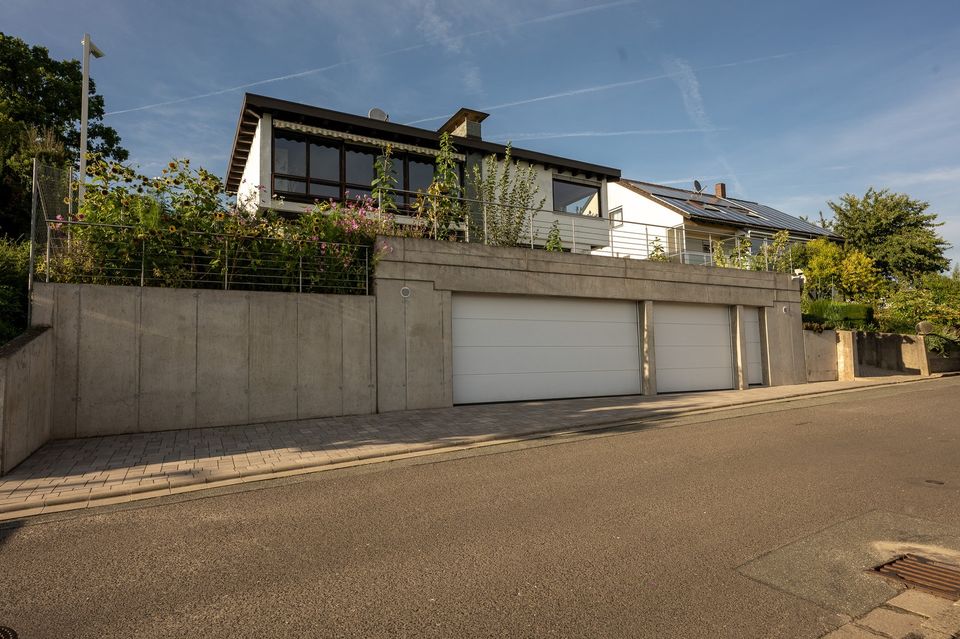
column 941, row 174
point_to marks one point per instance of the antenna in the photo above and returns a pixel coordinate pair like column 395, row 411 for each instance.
column 378, row 114
column 697, row 187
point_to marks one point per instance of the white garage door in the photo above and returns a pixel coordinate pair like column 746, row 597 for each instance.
column 512, row 348
column 693, row 347
column 751, row 322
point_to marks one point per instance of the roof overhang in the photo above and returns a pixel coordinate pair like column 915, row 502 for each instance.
column 255, row 106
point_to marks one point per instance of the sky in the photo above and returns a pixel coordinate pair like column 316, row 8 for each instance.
column 791, row 104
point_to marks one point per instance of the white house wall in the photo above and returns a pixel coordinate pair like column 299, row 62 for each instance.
column 248, row 193
column 644, row 223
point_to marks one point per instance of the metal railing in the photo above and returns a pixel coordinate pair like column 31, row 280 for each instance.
column 86, row 253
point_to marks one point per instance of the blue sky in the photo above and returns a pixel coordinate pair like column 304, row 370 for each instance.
column 789, row 103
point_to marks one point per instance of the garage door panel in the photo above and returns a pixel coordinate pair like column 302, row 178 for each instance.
column 523, row 386
column 683, row 335
column 508, row 359
column 702, row 356
column 509, row 348
column 673, row 380
column 693, row 347
column 505, row 307
column 548, row 332
column 692, row 314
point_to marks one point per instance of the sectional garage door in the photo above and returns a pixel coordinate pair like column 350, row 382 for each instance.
column 517, row 347
column 693, row 346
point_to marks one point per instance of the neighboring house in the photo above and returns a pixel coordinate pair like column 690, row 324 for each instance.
column 685, row 224
column 287, row 156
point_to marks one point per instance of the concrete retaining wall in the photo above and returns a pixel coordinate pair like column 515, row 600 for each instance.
column 130, row 359
column 26, row 382
column 893, row 352
column 938, row 364
column 416, row 280
column 821, row 356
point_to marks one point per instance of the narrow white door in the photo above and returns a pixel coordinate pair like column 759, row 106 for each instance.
column 511, row 347
column 751, row 322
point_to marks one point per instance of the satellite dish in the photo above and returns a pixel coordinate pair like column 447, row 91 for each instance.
column 378, row 114
column 697, row 187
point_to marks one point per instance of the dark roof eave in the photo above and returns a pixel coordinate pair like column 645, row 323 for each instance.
column 259, row 105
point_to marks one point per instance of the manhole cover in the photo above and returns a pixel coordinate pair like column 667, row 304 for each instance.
column 7, row 633
column 924, row 574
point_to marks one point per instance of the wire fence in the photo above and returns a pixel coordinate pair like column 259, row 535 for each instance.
column 85, row 253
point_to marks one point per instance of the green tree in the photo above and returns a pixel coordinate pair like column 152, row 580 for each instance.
column 895, row 231
column 822, row 272
column 554, row 240
column 39, row 115
column 507, row 192
column 860, row 280
column 441, row 206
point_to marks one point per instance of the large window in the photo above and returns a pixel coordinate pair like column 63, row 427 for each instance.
column 308, row 168
column 580, row 199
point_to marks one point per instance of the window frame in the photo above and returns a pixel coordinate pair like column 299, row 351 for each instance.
column 568, row 179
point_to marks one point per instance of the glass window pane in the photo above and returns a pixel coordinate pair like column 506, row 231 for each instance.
column 324, row 191
column 581, row 199
column 360, row 166
column 325, row 162
column 289, row 155
column 421, row 175
column 289, row 186
column 396, row 169
column 354, row 194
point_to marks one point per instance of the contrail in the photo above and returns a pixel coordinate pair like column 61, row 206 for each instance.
column 599, row 134
column 607, row 87
column 426, row 43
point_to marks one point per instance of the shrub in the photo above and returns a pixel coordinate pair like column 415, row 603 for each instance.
column 831, row 315
column 14, row 258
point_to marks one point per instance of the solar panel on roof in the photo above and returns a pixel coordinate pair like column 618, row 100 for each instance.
column 736, row 211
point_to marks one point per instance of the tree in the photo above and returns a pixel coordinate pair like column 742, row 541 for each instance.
column 895, row 231
column 832, row 271
column 507, row 192
column 39, row 116
column 441, row 206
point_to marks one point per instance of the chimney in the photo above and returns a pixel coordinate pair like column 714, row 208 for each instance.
column 720, row 189
column 465, row 123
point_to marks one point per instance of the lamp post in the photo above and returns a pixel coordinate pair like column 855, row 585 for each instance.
column 88, row 48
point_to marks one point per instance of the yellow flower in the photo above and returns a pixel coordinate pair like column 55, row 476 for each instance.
column 173, row 229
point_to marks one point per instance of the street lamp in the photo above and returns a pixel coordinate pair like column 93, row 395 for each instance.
column 88, row 48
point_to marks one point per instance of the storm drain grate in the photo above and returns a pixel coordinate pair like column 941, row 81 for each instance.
column 924, row 574
column 7, row 633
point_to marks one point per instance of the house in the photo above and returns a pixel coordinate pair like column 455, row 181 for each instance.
column 687, row 224
column 287, row 156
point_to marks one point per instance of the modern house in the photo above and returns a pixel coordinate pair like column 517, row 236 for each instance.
column 287, row 156
column 686, row 224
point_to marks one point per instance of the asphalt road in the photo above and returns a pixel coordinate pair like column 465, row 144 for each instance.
column 634, row 533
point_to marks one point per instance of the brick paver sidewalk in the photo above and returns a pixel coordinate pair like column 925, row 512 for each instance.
column 75, row 473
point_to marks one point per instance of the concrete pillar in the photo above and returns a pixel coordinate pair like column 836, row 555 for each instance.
column 847, row 365
column 739, row 340
column 648, row 356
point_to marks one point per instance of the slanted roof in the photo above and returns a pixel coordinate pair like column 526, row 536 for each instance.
column 254, row 106
column 706, row 207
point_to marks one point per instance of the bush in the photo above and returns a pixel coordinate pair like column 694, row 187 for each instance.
column 831, row 315
column 14, row 259
column 179, row 230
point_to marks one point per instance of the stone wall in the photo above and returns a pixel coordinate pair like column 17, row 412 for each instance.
column 129, row 359
column 26, row 382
